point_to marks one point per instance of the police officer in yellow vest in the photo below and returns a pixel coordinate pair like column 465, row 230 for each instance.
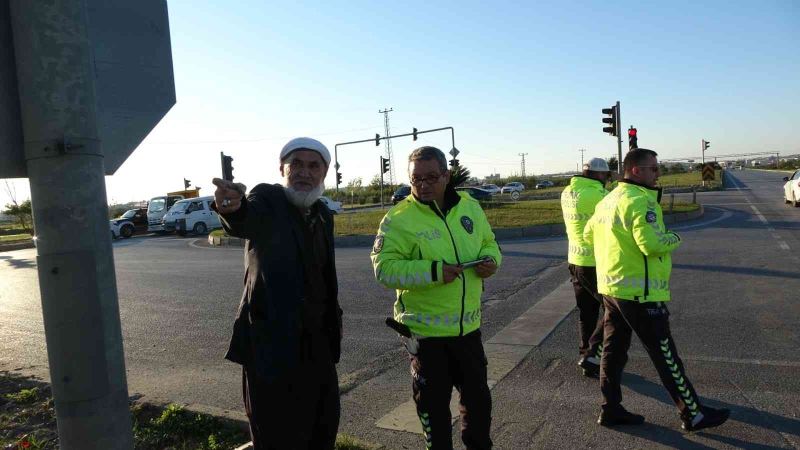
column 421, row 250
column 578, row 201
column 632, row 248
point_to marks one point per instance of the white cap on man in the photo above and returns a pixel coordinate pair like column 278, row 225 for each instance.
column 305, row 143
column 596, row 165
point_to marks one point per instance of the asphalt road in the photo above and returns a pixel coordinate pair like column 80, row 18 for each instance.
column 734, row 316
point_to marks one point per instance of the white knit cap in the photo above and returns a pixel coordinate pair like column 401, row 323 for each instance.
column 304, row 143
column 596, row 165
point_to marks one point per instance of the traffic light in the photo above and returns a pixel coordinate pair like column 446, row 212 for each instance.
column 227, row 168
column 338, row 179
column 377, row 140
column 633, row 139
column 706, row 144
column 415, row 134
column 186, row 183
column 384, row 165
column 611, row 120
column 454, row 163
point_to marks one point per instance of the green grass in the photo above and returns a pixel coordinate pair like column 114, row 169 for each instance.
column 15, row 238
column 689, row 179
column 28, row 422
column 217, row 232
column 500, row 215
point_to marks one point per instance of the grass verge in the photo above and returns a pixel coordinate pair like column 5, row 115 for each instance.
column 500, row 215
column 27, row 422
column 689, row 179
column 15, row 238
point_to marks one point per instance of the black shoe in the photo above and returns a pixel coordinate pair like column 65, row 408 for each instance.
column 620, row 417
column 590, row 368
column 711, row 417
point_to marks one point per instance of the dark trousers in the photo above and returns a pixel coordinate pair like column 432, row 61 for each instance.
column 297, row 411
column 650, row 321
column 440, row 364
column 590, row 305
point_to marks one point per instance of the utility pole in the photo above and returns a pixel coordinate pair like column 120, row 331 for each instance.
column 64, row 156
column 388, row 143
column 582, row 151
column 523, row 163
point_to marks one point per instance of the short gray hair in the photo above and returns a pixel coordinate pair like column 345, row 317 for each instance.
column 428, row 153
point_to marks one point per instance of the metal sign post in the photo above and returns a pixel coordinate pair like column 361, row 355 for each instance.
column 83, row 76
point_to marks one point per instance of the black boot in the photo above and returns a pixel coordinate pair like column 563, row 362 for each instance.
column 619, row 417
column 590, row 366
column 708, row 418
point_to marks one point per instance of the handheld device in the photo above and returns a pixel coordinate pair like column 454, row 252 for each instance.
column 468, row 264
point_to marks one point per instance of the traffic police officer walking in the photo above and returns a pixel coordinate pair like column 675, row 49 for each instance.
column 632, row 249
column 578, row 201
column 423, row 249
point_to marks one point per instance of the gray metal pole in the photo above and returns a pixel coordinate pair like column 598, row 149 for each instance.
column 74, row 258
column 619, row 141
column 702, row 159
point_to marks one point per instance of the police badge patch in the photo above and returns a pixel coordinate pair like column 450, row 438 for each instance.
column 650, row 217
column 378, row 245
column 466, row 222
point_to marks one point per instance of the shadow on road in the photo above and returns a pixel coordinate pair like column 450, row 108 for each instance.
column 739, row 270
column 745, row 414
column 18, row 263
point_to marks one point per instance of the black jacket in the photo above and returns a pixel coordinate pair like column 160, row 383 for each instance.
column 268, row 326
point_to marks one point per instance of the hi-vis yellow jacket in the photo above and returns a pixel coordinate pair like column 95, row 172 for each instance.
column 631, row 244
column 578, row 201
column 413, row 241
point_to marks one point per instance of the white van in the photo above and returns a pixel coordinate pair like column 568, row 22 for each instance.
column 192, row 214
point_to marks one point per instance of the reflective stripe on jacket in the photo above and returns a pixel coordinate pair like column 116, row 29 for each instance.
column 631, row 244
column 413, row 241
column 578, row 201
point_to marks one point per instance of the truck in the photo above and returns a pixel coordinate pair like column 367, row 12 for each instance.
column 158, row 207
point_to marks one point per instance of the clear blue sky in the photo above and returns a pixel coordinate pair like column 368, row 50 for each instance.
column 510, row 78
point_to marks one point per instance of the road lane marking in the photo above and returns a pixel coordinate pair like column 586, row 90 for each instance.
column 759, row 215
column 724, row 216
column 504, row 351
column 781, row 243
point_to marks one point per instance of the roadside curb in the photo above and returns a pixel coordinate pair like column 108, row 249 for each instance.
column 16, row 246
column 547, row 230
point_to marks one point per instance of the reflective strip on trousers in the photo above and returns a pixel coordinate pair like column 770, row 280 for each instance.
column 635, row 282
column 441, row 320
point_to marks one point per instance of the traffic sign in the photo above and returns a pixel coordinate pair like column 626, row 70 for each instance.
column 454, row 152
column 134, row 81
column 708, row 172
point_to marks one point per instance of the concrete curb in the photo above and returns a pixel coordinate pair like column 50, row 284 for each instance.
column 553, row 229
column 16, row 246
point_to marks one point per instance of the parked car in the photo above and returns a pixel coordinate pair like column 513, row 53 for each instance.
column 477, row 193
column 791, row 190
column 401, row 193
column 192, row 214
column 514, row 186
column 335, row 207
column 544, row 184
column 126, row 225
column 492, row 188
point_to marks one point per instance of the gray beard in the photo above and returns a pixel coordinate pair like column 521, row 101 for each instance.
column 304, row 199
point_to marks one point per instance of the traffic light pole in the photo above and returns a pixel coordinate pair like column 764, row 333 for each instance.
column 619, row 141
column 381, row 170
column 75, row 263
column 378, row 138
